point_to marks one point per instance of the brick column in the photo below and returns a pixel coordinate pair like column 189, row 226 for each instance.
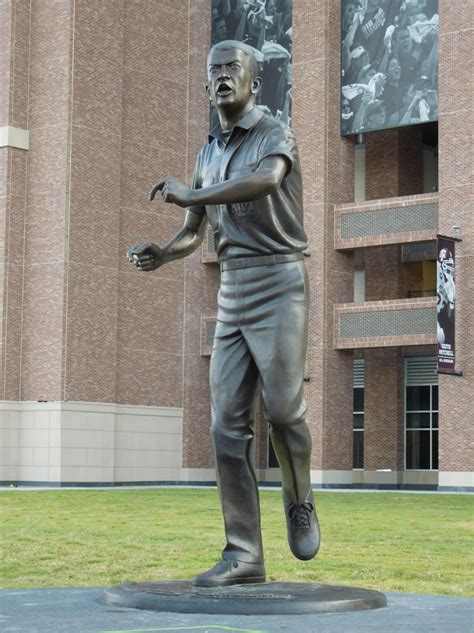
column 201, row 281
column 383, row 415
column 14, row 71
column 456, row 189
column 328, row 177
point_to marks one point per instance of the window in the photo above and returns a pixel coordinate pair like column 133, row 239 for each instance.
column 421, row 415
column 358, row 429
column 358, row 415
column 420, row 279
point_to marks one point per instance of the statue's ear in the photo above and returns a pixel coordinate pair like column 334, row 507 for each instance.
column 208, row 92
column 256, row 85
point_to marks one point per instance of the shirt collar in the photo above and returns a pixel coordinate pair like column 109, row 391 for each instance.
column 245, row 123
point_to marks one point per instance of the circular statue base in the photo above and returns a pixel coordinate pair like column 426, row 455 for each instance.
column 270, row 598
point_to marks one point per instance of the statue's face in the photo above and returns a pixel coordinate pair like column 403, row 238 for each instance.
column 230, row 81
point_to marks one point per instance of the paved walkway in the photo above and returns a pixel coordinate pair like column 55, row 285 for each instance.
column 81, row 611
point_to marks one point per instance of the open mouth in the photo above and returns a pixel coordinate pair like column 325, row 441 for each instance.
column 224, row 90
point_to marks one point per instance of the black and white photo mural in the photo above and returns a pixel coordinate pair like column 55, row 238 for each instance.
column 266, row 26
column 389, row 64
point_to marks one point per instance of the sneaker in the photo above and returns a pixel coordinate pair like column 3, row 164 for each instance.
column 303, row 529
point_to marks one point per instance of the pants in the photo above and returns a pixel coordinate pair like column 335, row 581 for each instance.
column 261, row 337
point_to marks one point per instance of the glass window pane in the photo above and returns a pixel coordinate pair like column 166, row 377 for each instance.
column 435, row 420
column 434, row 396
column 358, row 399
column 434, row 452
column 418, row 450
column 358, row 421
column 418, row 398
column 358, row 449
column 418, row 420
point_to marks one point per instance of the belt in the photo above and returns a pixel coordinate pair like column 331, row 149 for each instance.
column 260, row 260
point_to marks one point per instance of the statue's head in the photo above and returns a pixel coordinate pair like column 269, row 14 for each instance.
column 232, row 73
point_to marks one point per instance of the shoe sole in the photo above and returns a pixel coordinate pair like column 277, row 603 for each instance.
column 304, row 557
column 307, row 556
column 251, row 580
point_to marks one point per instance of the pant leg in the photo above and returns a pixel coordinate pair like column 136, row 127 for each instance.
column 276, row 333
column 234, row 380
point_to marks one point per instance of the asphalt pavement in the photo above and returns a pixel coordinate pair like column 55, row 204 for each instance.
column 83, row 611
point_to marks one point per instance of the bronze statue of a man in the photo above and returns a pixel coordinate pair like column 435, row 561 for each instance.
column 247, row 185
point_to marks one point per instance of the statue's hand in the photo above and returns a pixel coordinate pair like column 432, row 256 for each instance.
column 146, row 256
column 173, row 190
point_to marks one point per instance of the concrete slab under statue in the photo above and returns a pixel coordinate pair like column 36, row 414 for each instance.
column 247, row 184
column 270, row 598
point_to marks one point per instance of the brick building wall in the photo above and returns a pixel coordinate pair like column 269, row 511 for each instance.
column 456, row 189
column 113, row 99
column 101, row 88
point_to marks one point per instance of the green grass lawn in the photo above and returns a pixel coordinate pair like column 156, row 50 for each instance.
column 392, row 542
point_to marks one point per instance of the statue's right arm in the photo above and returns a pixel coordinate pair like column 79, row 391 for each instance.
column 149, row 256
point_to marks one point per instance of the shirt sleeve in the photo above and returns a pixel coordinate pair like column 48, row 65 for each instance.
column 279, row 141
column 197, row 184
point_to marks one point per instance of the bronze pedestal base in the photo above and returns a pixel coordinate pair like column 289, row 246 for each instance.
column 271, row 598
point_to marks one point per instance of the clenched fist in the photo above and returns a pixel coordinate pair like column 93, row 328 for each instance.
column 146, row 256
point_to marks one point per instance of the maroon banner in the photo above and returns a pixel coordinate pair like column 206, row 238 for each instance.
column 446, row 291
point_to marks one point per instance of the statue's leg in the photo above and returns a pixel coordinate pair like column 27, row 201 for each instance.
column 278, row 341
column 234, row 381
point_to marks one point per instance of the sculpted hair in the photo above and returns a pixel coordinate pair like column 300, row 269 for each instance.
column 230, row 45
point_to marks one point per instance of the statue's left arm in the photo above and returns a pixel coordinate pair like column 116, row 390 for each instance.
column 253, row 186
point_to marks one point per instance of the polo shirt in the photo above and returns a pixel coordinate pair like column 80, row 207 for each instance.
column 271, row 225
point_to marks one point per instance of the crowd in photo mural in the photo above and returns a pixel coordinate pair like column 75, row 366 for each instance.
column 389, row 64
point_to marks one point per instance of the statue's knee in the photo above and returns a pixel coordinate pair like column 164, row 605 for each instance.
column 284, row 413
column 281, row 416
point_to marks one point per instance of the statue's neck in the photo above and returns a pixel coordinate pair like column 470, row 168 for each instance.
column 229, row 117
